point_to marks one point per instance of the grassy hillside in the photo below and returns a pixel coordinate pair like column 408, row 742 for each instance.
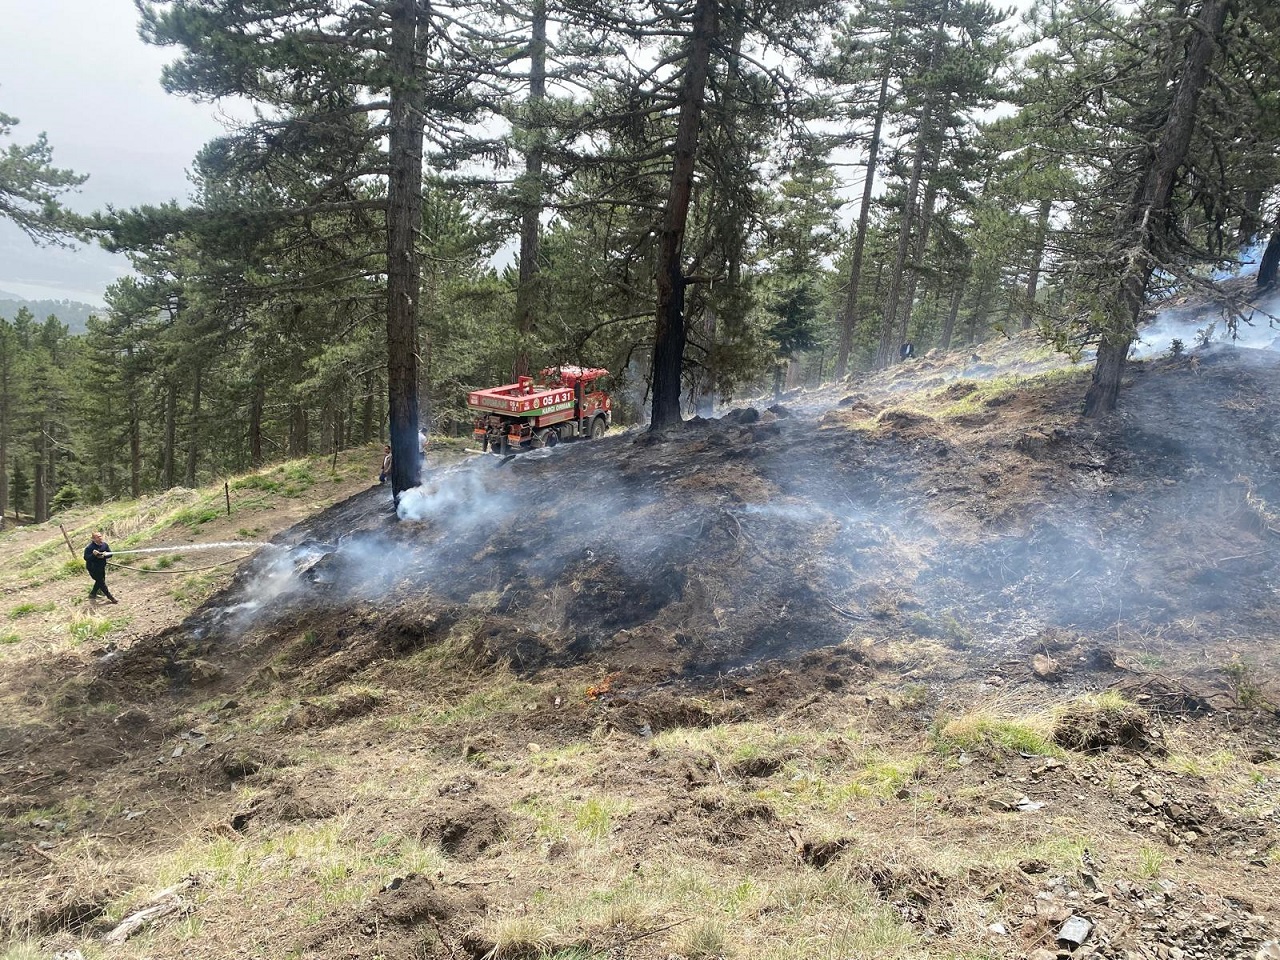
column 921, row 667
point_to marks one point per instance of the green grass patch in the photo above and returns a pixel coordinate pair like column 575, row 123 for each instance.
column 984, row 732
column 196, row 517
column 989, row 393
column 194, row 588
column 483, row 704
column 290, row 479
column 90, row 627
column 26, row 609
column 589, row 819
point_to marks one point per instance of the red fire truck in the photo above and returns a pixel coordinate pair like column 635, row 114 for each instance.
column 566, row 404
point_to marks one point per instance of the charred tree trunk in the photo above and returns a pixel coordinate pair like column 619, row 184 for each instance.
column 1148, row 214
column 404, row 217
column 531, row 188
column 670, row 333
column 849, row 310
column 1037, row 260
column 193, row 438
column 1269, row 266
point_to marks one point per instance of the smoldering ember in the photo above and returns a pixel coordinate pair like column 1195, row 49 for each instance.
column 645, row 481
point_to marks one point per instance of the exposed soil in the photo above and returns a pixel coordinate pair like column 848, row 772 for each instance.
column 725, row 652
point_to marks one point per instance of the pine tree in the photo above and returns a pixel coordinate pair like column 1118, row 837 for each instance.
column 31, row 188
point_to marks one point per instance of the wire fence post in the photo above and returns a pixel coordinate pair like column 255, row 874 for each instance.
column 226, row 489
column 68, row 539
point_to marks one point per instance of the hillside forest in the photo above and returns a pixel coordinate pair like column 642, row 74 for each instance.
column 710, row 198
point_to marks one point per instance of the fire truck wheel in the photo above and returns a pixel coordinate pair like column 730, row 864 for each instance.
column 597, row 428
column 551, row 438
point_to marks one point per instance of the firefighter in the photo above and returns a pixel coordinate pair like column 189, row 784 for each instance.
column 385, row 473
column 95, row 561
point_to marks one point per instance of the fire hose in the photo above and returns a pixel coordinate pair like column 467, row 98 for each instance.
column 195, row 546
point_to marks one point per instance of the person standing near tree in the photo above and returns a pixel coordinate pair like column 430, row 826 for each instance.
column 95, row 561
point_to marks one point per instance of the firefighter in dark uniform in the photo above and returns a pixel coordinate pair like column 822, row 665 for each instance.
column 95, row 561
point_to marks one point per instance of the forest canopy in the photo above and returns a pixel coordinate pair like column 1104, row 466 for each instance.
column 710, row 198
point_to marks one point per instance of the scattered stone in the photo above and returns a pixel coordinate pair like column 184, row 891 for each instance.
column 1152, row 797
column 1075, row 931
column 999, row 929
column 202, row 672
column 1044, row 666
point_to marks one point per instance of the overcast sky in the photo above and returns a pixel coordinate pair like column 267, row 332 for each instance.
column 77, row 70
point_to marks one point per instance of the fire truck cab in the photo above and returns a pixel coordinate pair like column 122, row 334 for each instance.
column 565, row 403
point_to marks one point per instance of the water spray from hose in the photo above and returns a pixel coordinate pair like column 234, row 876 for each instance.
column 231, row 544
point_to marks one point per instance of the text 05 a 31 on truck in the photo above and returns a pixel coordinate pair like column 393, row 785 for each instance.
column 563, row 404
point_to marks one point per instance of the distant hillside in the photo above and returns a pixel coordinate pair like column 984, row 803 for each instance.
column 71, row 312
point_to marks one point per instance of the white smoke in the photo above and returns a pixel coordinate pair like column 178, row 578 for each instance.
column 1259, row 329
column 458, row 497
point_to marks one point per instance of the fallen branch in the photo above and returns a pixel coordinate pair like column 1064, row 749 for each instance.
column 1243, row 556
column 847, row 614
column 614, row 947
column 167, row 901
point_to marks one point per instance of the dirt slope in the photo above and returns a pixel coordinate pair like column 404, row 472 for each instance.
column 815, row 680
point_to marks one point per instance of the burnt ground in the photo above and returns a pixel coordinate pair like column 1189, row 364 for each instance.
column 799, row 652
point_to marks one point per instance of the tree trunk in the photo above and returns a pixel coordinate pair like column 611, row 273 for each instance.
column 1107, row 371
column 404, row 217
column 849, row 310
column 1037, row 260
column 1251, row 206
column 51, row 459
column 704, row 395
column 135, row 448
column 366, row 415
column 299, row 429
column 6, row 399
column 1268, row 266
column 1146, row 220
column 921, row 248
column 169, row 468
column 530, row 188
column 193, row 437
column 670, row 334
column 256, row 403
column 949, row 328
column 40, row 513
